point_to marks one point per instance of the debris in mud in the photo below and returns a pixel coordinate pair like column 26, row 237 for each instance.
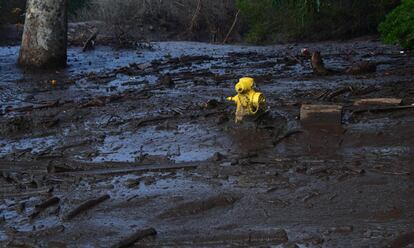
column 138, row 235
column 85, row 206
column 362, row 68
column 318, row 65
column 166, row 81
column 199, row 206
column 378, row 101
column 16, row 125
column 132, row 183
column 90, row 42
column 273, row 235
column 321, row 114
column 44, row 205
column 341, row 229
column 402, row 240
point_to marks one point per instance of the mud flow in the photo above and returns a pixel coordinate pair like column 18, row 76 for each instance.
column 127, row 146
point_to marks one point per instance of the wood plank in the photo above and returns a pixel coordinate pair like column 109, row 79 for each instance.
column 378, row 101
column 321, row 114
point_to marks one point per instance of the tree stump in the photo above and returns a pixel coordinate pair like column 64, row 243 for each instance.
column 44, row 41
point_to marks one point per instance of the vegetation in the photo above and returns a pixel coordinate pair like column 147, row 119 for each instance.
column 75, row 5
column 286, row 20
column 12, row 11
column 399, row 25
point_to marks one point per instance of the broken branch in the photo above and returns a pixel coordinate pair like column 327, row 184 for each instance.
column 138, row 235
column 85, row 206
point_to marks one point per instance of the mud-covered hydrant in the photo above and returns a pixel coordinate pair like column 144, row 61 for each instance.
column 248, row 100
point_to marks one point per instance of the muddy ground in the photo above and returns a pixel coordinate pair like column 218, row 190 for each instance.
column 151, row 129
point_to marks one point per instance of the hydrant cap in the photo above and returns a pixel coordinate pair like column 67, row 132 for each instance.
column 244, row 84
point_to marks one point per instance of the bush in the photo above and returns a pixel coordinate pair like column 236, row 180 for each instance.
column 288, row 20
column 75, row 5
column 11, row 11
column 166, row 18
column 398, row 27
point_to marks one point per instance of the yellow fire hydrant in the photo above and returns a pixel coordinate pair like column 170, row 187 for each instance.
column 248, row 100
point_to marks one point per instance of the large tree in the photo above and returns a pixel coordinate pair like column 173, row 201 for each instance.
column 44, row 43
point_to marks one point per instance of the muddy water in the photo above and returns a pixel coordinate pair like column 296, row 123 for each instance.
column 152, row 129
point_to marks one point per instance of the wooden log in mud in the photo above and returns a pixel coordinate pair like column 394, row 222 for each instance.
column 321, row 114
column 44, row 42
column 361, row 68
column 44, row 205
column 138, row 235
column 378, row 101
column 48, row 203
column 86, row 206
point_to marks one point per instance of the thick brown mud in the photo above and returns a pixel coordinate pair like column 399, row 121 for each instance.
column 153, row 131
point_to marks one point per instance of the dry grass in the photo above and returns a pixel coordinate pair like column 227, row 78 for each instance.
column 183, row 19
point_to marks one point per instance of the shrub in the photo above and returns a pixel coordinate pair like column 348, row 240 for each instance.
column 166, row 18
column 398, row 26
column 287, row 20
column 75, row 5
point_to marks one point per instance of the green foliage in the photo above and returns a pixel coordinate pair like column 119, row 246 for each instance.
column 398, row 27
column 287, row 20
column 75, row 5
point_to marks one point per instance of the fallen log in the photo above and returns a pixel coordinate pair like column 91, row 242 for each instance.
column 321, row 114
column 85, row 206
column 361, row 68
column 138, row 235
column 48, row 203
column 42, row 206
column 382, row 109
column 378, row 101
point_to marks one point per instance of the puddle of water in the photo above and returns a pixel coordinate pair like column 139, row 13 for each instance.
column 186, row 143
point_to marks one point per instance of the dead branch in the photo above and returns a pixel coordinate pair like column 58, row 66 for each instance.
column 195, row 17
column 85, row 206
column 138, row 235
column 49, row 202
column 232, row 27
column 90, row 42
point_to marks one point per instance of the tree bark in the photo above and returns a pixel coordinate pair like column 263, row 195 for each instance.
column 44, row 42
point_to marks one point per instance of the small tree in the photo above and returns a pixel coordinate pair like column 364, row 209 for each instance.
column 398, row 27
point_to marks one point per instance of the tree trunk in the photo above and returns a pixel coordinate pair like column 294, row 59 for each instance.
column 44, row 41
